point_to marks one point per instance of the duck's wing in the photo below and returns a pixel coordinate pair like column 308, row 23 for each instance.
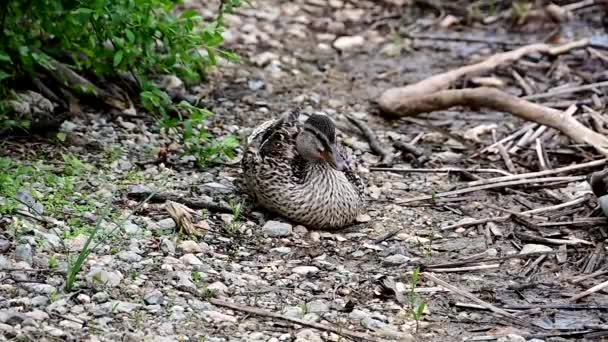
column 279, row 135
column 351, row 173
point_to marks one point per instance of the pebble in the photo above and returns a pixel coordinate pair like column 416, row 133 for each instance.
column 154, row 297
column 219, row 287
column 101, row 297
column 533, row 248
column 219, row 317
column 37, row 315
column 101, row 277
column 189, row 246
column 293, row 311
column 190, row 259
column 281, row 250
column 318, row 306
column 167, row 224
column 129, row 256
column 177, row 313
column 277, row 229
column 264, row 58
column 511, row 338
column 396, row 259
column 23, row 252
column 345, row 43
column 167, row 246
column 83, row 298
column 308, row 335
column 5, row 245
column 305, row 270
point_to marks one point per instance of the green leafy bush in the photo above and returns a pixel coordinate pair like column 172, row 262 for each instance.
column 106, row 40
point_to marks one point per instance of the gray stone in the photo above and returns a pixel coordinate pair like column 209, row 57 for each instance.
column 318, row 306
column 293, row 311
column 177, row 313
column 154, row 297
column 167, row 223
column 345, row 43
column 132, row 228
column 190, row 246
column 396, row 259
column 277, row 229
column 372, row 324
column 190, row 259
column 23, row 252
column 219, row 287
column 129, row 256
column 511, row 338
column 101, row 297
column 102, row 277
column 5, row 245
column 5, row 263
column 167, row 246
column 40, row 288
column 305, row 269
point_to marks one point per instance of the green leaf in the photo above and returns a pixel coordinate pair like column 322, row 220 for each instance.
column 5, row 58
column 118, row 57
column 4, row 75
column 61, row 136
column 130, row 36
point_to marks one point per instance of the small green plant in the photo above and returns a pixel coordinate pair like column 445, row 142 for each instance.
column 234, row 227
column 53, row 296
column 417, row 305
column 53, row 263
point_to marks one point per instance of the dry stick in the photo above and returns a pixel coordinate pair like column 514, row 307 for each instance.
column 582, row 278
column 374, row 143
column 541, row 155
column 470, row 296
column 504, row 140
column 576, row 201
column 492, row 186
column 589, row 291
column 522, row 83
column 505, row 157
column 574, row 167
column 431, row 268
column 441, row 170
column 392, row 100
column 501, row 101
column 261, row 312
column 566, row 90
column 466, row 269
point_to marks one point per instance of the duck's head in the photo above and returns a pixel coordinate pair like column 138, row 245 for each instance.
column 317, row 142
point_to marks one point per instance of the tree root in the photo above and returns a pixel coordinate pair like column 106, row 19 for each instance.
column 430, row 95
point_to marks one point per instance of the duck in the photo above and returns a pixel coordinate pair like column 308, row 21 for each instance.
column 298, row 171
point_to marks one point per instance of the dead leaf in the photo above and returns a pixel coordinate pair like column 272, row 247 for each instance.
column 475, row 132
column 182, row 216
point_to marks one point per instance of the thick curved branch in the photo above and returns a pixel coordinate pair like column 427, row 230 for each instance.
column 392, row 98
column 501, row 101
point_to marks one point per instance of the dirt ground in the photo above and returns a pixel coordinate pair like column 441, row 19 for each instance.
column 295, row 54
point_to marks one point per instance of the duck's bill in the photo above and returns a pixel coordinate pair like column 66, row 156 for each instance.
column 335, row 159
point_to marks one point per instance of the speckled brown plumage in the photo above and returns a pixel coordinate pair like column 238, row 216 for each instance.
column 307, row 192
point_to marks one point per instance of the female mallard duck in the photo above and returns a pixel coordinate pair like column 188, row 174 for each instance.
column 297, row 171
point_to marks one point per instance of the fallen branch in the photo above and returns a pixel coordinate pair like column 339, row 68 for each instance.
column 191, row 203
column 325, row 327
column 492, row 186
column 499, row 312
column 392, row 100
column 501, row 101
column 441, row 170
column 592, row 290
column 374, row 143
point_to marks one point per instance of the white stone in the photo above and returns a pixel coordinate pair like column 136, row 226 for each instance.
column 345, row 43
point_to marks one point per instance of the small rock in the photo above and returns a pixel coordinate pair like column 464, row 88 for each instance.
column 533, row 248
column 101, row 297
column 119, row 306
column 396, row 259
column 101, row 277
column 154, row 297
column 348, row 42
column 190, row 259
column 132, row 228
column 364, row 218
column 511, row 338
column 167, row 223
column 23, row 252
column 318, row 306
column 83, row 298
column 264, row 58
column 129, row 256
column 167, row 246
column 40, row 288
column 300, row 230
column 219, row 317
column 305, row 270
column 219, row 287
column 292, row 311
column 68, row 324
column 68, row 126
column 190, row 246
column 12, row 317
column 372, row 324
column 358, row 315
column 177, row 313
column 37, row 315
column 308, row 335
column 5, row 245
column 140, row 189
column 281, row 250
column 277, row 229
